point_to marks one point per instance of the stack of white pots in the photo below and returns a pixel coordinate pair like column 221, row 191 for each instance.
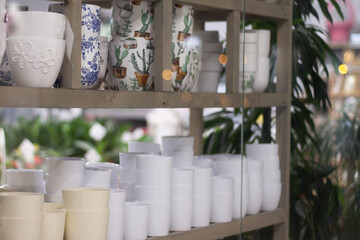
column 255, row 186
column 136, row 220
column 97, row 177
column 115, row 171
column 222, row 199
column 26, row 180
column 180, row 148
column 62, row 172
column 21, row 216
column 181, row 199
column 210, row 73
column 127, row 174
column 144, row 147
column 202, row 197
column 36, row 47
column 271, row 174
column 153, row 186
column 256, row 60
column 87, row 213
column 117, row 212
column 233, row 166
column 53, row 222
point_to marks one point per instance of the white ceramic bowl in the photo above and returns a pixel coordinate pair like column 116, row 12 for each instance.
column 271, row 197
column 153, row 163
column 237, row 182
column 210, row 62
column 55, row 184
column 46, row 25
column 208, row 81
column 136, row 220
column 255, row 179
column 114, row 167
column 255, row 166
column 116, row 224
column 28, row 228
column 87, row 225
column 97, row 177
column 230, row 168
column 181, row 214
column 203, row 162
column 117, row 199
column 202, row 174
column 146, row 147
column 25, row 177
column 202, row 188
column 53, row 224
column 182, row 192
column 128, row 160
column 159, row 219
column 264, row 41
column 240, row 203
column 271, row 164
column 250, row 48
column 221, row 207
column 254, row 200
column 270, row 177
column 262, row 149
column 250, row 37
column 262, row 76
column 152, row 194
column 223, row 185
column 78, row 198
column 153, row 179
column 18, row 204
column 201, row 211
column 182, row 176
column 35, row 62
column 177, row 143
column 251, row 62
column 181, row 159
column 64, row 166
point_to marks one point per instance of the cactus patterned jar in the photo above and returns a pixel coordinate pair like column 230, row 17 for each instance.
column 132, row 47
column 185, row 60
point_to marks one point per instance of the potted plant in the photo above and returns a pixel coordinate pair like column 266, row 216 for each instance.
column 176, row 58
column 183, row 70
column 178, row 5
column 146, row 20
column 126, row 29
column 130, row 43
column 120, row 72
column 184, row 34
column 137, row 3
column 142, row 75
column 126, row 12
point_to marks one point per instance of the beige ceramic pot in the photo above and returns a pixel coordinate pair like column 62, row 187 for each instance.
column 86, row 199
column 53, row 224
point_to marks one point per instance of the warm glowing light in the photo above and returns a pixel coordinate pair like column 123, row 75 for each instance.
column 349, row 56
column 223, row 59
column 167, row 74
column 186, row 96
column 343, row 69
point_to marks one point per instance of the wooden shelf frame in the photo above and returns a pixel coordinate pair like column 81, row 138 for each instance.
column 229, row 10
column 221, row 230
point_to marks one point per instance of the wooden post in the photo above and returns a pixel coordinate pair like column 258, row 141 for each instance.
column 196, row 129
column 233, row 52
column 163, row 23
column 72, row 71
column 283, row 117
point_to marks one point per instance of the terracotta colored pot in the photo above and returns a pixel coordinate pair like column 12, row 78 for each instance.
column 119, row 72
column 139, row 34
column 132, row 44
column 142, row 78
column 180, row 75
column 136, row 2
column 178, row 5
column 175, row 64
column 183, row 36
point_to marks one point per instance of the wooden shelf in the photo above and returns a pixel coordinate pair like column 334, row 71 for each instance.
column 70, row 98
column 254, row 9
column 221, row 230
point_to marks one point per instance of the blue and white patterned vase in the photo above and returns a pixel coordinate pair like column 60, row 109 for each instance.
column 90, row 23
column 90, row 62
column 6, row 78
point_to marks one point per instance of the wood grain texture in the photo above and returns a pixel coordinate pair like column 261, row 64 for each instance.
column 71, row 98
column 72, row 70
column 196, row 129
column 163, row 21
column 232, row 52
column 221, row 230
